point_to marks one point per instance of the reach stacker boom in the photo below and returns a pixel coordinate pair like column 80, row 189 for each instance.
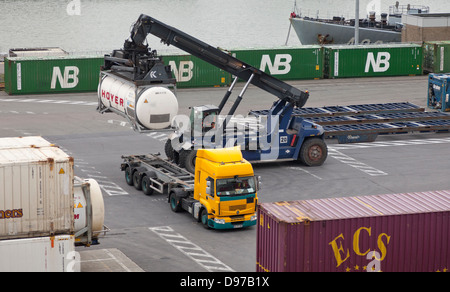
column 277, row 135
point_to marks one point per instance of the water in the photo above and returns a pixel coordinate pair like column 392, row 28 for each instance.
column 103, row 25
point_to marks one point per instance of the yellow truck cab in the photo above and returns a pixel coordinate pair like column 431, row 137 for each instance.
column 222, row 192
column 226, row 188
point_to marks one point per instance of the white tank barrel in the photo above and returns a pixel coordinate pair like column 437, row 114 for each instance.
column 154, row 107
column 81, row 205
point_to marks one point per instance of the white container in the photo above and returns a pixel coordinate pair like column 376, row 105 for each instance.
column 40, row 254
column 151, row 107
column 36, row 192
column 24, row 142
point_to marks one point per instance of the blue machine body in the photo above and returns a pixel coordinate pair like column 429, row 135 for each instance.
column 280, row 137
column 439, row 92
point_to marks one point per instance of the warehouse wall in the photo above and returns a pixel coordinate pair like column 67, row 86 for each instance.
column 412, row 33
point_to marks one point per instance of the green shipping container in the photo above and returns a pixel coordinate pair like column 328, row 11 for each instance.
column 373, row 60
column 190, row 71
column 436, row 56
column 29, row 75
column 285, row 63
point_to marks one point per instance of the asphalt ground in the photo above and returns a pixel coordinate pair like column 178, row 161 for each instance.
column 143, row 228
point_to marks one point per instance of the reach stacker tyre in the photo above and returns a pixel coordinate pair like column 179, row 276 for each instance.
column 187, row 159
column 313, row 152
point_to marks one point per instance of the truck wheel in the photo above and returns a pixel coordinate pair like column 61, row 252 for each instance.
column 314, row 152
column 168, row 149
column 204, row 218
column 146, row 186
column 137, row 181
column 187, row 159
column 173, row 201
column 128, row 176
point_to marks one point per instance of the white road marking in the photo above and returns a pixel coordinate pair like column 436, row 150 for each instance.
column 65, row 102
column 116, row 260
column 304, row 170
column 109, row 187
column 159, row 136
column 191, row 250
column 372, row 171
column 389, row 143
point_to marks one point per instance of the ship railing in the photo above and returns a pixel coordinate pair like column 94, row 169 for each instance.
column 321, row 15
column 408, row 9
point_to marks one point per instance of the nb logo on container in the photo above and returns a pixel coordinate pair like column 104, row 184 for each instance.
column 68, row 80
column 381, row 64
column 280, row 65
column 183, row 73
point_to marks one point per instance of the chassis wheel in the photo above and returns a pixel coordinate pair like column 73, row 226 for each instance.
column 145, row 185
column 137, row 181
column 314, row 152
column 128, row 176
column 173, row 201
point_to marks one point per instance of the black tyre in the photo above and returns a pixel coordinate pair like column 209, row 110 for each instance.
column 204, row 218
column 174, row 203
column 314, row 152
column 168, row 149
column 145, row 185
column 137, row 181
column 128, row 176
column 187, row 160
column 176, row 157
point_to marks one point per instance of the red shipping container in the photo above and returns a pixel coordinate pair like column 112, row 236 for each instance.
column 407, row 232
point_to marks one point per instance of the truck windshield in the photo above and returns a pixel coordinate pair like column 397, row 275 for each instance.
column 235, row 186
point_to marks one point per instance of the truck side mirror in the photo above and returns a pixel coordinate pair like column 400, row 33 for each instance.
column 258, row 182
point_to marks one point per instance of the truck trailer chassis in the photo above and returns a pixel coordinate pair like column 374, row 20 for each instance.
column 364, row 122
column 150, row 173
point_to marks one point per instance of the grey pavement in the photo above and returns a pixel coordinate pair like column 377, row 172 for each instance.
column 391, row 164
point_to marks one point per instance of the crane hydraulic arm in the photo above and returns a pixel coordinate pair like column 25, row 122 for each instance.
column 171, row 36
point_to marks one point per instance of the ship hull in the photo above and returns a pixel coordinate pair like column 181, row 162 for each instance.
column 309, row 32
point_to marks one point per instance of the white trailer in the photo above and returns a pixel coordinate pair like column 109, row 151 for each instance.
column 36, row 192
column 39, row 254
column 40, row 196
